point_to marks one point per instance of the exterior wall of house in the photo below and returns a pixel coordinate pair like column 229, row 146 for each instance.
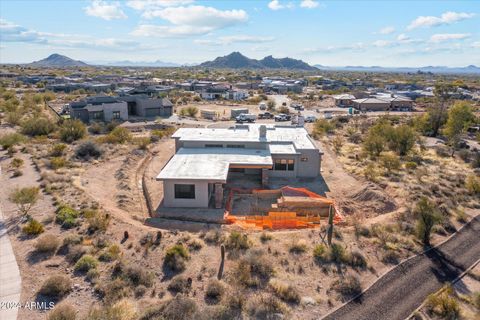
column 201, row 194
column 373, row 106
column 109, row 108
column 142, row 105
column 81, row 114
column 282, row 173
column 309, row 163
column 402, row 104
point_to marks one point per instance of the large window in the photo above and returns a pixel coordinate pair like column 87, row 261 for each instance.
column 116, row 115
column 184, row 191
column 96, row 115
column 214, row 146
column 284, row 165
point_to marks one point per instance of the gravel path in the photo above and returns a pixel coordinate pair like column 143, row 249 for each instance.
column 399, row 292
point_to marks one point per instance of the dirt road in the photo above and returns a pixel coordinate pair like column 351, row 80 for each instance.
column 403, row 289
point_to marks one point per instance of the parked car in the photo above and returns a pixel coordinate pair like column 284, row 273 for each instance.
column 265, row 115
column 246, row 117
column 310, row 119
column 297, row 106
column 282, row 117
column 262, row 106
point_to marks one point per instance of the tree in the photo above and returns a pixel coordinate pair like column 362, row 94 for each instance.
column 460, row 116
column 337, row 143
column 271, row 105
column 402, row 139
column 390, row 162
column 374, row 144
column 437, row 116
column 25, row 198
column 72, row 130
column 427, row 217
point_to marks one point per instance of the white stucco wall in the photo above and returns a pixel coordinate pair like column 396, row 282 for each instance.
column 201, row 194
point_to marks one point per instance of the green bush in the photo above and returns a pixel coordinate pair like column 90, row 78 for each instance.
column 33, row 228
column 254, row 269
column 284, row 291
column 215, row 289
column 348, row 287
column 338, row 253
column 57, row 162
column 58, row 150
column 472, row 183
column 119, row 135
column 411, row 166
column 16, row 163
column 88, row 150
column 62, row 312
column 66, row 216
column 112, row 253
column 56, row 286
column 323, row 126
column 390, row 162
column 320, row 253
column 12, row 139
column 98, row 221
column 38, row 126
column 444, row 304
column 86, row 263
column 47, row 243
column 176, row 257
column 137, row 275
column 72, row 130
column 179, row 284
column 237, row 241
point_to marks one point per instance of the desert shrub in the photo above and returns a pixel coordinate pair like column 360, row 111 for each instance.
column 444, row 304
column 178, row 308
column 390, row 256
column 16, row 163
column 476, row 300
column 85, row 263
column 66, row 216
column 38, row 126
column 176, row 257
column 25, row 198
column 265, row 306
column 57, row 162
column 98, row 221
column 75, row 253
column 320, row 253
column 390, row 162
column 285, row 291
column 72, row 130
column 111, row 125
column 370, row 172
column 338, row 253
column 140, row 291
column 12, row 139
column 215, row 289
column 358, row 260
column 190, row 111
column 62, row 312
column 56, row 286
column 121, row 310
column 114, row 290
column 195, row 245
column 410, row 165
column 323, row 126
column 119, row 135
column 47, row 243
column 95, row 128
column 472, row 183
column 237, row 241
column 254, row 269
column 213, row 237
column 427, row 217
column 112, row 253
column 58, row 150
column 142, row 143
column 137, row 275
column 283, row 109
column 88, row 150
column 298, row 247
column 180, row 284
column 348, row 286
column 33, row 228
column 264, row 237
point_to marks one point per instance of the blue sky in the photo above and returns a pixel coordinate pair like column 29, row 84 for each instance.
column 334, row 33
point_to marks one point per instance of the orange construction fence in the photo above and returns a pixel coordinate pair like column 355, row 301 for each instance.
column 279, row 219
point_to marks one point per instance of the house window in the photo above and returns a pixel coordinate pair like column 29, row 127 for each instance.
column 96, row 115
column 184, row 191
column 304, row 159
column 235, row 146
column 116, row 115
column 214, row 146
column 284, row 165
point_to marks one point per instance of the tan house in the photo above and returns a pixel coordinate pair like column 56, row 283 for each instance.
column 371, row 104
column 344, row 100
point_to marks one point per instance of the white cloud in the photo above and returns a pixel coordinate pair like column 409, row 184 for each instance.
column 276, row 5
column 309, row 4
column 475, row 44
column 191, row 20
column 383, row 43
column 105, row 10
column 227, row 40
column 403, row 37
column 442, row 37
column 156, row 4
column 10, row 32
column 387, row 30
column 445, row 19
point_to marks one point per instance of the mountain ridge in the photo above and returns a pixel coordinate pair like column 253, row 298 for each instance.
column 236, row 60
column 57, row 61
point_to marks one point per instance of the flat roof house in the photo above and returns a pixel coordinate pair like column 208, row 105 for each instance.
column 371, row 104
column 344, row 100
column 206, row 158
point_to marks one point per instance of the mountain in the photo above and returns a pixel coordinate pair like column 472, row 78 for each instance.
column 57, row 61
column 236, row 60
column 431, row 69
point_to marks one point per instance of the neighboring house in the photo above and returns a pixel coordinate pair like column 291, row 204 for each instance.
column 205, row 158
column 99, row 109
column 344, row 100
column 213, row 93
column 371, row 104
column 234, row 94
column 106, row 108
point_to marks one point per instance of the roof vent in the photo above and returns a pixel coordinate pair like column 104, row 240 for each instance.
column 262, row 130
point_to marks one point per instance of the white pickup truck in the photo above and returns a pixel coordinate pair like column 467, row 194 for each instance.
column 246, row 117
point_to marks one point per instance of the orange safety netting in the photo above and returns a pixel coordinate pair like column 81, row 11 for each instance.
column 279, row 219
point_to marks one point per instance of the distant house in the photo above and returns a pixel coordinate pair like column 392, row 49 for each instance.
column 105, row 108
column 384, row 102
column 371, row 104
column 344, row 100
column 213, row 93
column 234, row 94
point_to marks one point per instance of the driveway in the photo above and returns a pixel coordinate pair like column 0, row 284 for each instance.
column 10, row 281
column 399, row 292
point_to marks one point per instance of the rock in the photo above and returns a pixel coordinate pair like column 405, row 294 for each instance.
column 76, row 286
column 308, row 301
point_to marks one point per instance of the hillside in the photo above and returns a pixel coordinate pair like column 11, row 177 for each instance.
column 236, row 60
column 57, row 61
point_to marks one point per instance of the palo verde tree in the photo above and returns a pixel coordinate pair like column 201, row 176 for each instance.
column 427, row 217
column 460, row 116
column 25, row 198
column 437, row 116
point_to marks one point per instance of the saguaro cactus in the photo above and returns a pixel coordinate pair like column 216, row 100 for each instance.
column 222, row 262
column 330, row 226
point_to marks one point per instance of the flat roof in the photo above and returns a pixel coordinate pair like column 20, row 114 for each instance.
column 211, row 163
column 298, row 136
column 277, row 148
